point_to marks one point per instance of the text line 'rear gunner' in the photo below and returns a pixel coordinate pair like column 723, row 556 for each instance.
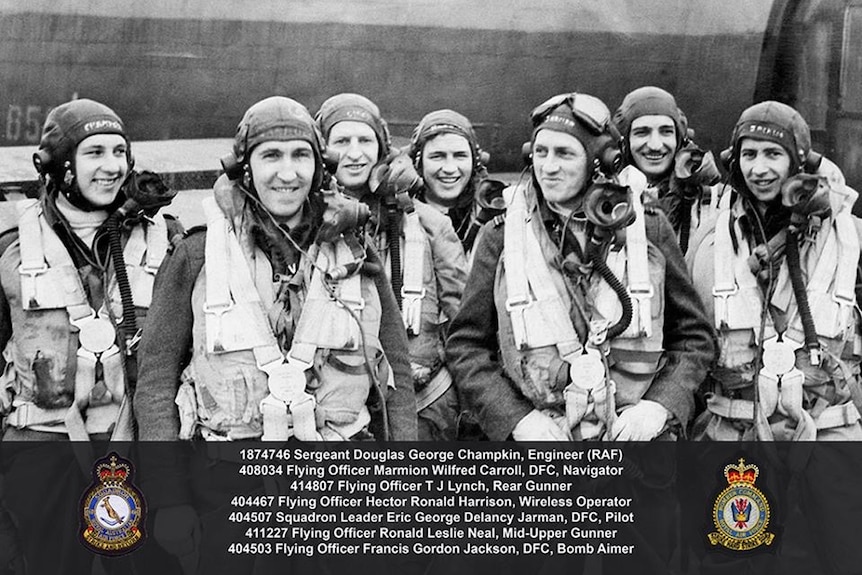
column 422, row 255
column 277, row 322
column 777, row 273
column 579, row 320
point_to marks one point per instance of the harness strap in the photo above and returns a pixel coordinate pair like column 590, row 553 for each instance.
column 413, row 263
column 435, row 389
column 640, row 287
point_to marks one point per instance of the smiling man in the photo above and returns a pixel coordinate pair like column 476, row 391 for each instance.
column 542, row 349
column 657, row 140
column 446, row 152
column 777, row 272
column 247, row 343
column 68, row 349
column 520, row 370
column 421, row 252
column 773, row 247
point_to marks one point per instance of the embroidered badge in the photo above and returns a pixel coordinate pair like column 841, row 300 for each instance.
column 113, row 509
column 741, row 511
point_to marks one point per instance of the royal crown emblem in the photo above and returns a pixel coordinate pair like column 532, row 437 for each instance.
column 741, row 511
column 113, row 509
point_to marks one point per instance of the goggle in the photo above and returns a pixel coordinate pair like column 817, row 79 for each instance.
column 591, row 111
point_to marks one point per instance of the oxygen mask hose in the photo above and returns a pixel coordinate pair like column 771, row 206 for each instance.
column 609, row 208
column 393, row 233
column 129, row 324
column 812, row 344
column 594, row 256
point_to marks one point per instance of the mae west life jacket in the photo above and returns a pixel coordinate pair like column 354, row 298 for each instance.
column 58, row 339
column 421, row 309
column 537, row 338
column 829, row 264
column 239, row 384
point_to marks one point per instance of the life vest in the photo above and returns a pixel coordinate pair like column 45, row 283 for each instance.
column 58, row 339
column 537, row 338
column 239, row 384
column 829, row 264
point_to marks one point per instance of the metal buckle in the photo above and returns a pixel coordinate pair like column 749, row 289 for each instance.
column 32, row 272
column 641, row 291
column 218, row 308
column 412, row 293
column 512, row 303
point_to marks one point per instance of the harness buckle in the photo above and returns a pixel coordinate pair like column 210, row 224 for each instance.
column 721, row 294
column 514, row 302
column 218, row 308
column 30, row 294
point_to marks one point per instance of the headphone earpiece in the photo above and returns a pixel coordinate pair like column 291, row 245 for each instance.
column 726, row 158
column 330, row 160
column 527, row 153
column 812, row 162
column 232, row 168
column 41, row 160
column 483, row 157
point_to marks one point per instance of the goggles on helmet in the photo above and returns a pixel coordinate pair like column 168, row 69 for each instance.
column 591, row 111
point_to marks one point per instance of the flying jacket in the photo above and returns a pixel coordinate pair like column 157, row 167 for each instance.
column 474, row 355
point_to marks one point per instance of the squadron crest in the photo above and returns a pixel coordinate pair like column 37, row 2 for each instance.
column 113, row 509
column 741, row 511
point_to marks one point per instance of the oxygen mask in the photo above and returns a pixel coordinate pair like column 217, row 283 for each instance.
column 608, row 205
column 489, row 197
column 341, row 214
column 146, row 192
column 807, row 196
column 693, row 165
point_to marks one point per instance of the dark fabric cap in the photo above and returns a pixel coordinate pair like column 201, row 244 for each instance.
column 774, row 122
column 561, row 119
column 276, row 118
column 70, row 123
column 649, row 101
column 442, row 122
column 354, row 108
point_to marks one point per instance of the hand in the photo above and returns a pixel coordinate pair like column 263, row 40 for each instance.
column 641, row 422
column 177, row 529
column 536, row 426
column 394, row 177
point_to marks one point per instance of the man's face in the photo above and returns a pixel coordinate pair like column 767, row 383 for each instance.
column 101, row 166
column 358, row 150
column 283, row 173
column 764, row 166
column 447, row 166
column 560, row 167
column 652, row 141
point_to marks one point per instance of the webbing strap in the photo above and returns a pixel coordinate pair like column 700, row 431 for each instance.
column 639, row 285
column 724, row 282
column 49, row 279
column 235, row 318
column 435, row 389
column 413, row 264
column 157, row 242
